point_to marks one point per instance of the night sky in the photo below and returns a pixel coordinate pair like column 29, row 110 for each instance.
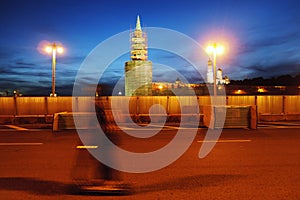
column 262, row 38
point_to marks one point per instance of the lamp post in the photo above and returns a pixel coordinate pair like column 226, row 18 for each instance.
column 53, row 48
column 215, row 49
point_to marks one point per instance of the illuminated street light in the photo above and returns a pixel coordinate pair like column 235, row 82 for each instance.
column 53, row 48
column 215, row 49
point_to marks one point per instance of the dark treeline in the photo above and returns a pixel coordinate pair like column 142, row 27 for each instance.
column 284, row 80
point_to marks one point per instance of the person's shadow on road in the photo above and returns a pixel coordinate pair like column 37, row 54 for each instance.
column 34, row 186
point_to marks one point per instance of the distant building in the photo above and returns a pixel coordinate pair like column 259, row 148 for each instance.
column 220, row 80
column 210, row 74
column 7, row 93
column 170, row 88
column 219, row 75
column 138, row 71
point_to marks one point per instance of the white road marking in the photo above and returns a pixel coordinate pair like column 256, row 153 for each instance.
column 157, row 127
column 21, row 144
column 225, row 141
column 125, row 128
column 86, row 147
column 277, row 127
column 17, row 127
column 170, row 127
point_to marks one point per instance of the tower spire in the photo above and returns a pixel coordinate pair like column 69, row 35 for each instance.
column 138, row 23
column 138, row 42
column 138, row 71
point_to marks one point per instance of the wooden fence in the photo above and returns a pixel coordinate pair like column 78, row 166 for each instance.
column 30, row 106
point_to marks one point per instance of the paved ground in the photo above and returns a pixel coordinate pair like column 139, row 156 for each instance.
column 245, row 164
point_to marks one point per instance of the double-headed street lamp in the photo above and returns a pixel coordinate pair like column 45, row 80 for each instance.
column 53, row 48
column 215, row 49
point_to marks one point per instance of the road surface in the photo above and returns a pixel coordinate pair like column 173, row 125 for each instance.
column 244, row 164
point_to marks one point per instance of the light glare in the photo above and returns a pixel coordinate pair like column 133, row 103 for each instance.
column 219, row 49
column 209, row 49
column 60, row 49
column 48, row 49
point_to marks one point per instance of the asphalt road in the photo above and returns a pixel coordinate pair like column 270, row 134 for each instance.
column 244, row 164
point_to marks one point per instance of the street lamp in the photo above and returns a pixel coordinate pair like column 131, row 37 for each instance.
column 53, row 48
column 215, row 49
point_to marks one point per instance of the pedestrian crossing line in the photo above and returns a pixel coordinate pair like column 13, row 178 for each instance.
column 17, row 127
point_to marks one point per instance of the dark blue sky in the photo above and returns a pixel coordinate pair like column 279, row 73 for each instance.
column 262, row 38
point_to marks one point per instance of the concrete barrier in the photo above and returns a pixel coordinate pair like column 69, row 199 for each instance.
column 293, row 117
column 7, row 119
column 268, row 117
column 230, row 117
column 65, row 121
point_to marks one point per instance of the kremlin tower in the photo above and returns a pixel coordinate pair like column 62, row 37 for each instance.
column 210, row 74
column 138, row 71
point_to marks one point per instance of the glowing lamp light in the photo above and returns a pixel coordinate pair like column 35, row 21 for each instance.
column 239, row 91
column 51, row 49
column 48, row 49
column 215, row 49
column 209, row 49
column 261, row 90
column 219, row 49
column 60, row 50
